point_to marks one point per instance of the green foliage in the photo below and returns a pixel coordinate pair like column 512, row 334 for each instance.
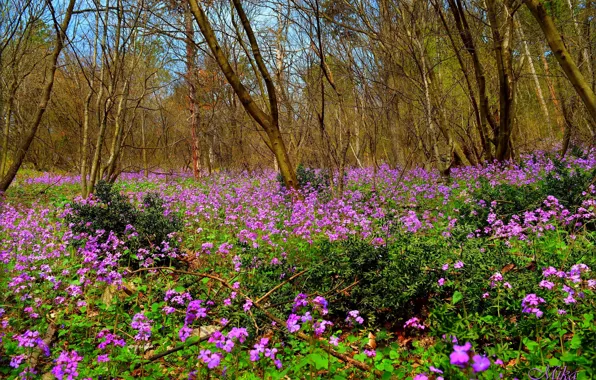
column 317, row 180
column 145, row 227
column 566, row 183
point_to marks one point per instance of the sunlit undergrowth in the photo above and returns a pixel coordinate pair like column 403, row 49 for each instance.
column 404, row 276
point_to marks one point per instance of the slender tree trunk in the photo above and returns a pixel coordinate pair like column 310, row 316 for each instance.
column 541, row 100
column 502, row 35
column 480, row 124
column 114, row 69
column 466, row 36
column 110, row 166
column 269, row 123
column 564, row 58
column 191, row 82
column 6, row 128
column 144, row 143
column 87, row 115
column 43, row 104
column 553, row 93
column 584, row 52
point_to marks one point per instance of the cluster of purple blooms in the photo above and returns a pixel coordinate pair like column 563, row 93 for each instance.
column 261, row 348
column 29, row 339
column 354, row 316
column 109, row 339
column 174, row 298
column 212, row 359
column 461, row 357
column 143, row 326
column 226, row 343
column 319, row 304
column 552, row 276
column 66, row 365
column 194, row 311
column 414, row 323
column 445, row 267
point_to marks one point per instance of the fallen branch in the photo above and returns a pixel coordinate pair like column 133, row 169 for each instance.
column 280, row 285
column 47, row 340
column 345, row 358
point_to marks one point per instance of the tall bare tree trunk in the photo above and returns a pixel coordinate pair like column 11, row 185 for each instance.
column 43, row 104
column 564, row 58
column 584, row 52
column 528, row 55
column 501, row 23
column 110, row 165
column 6, row 126
column 466, row 36
column 191, row 82
column 144, row 143
column 269, row 122
column 102, row 112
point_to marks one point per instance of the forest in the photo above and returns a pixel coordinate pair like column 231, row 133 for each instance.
column 297, row 189
column 103, row 88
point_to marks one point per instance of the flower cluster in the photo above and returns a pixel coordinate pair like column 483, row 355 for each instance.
column 460, row 357
column 143, row 325
column 414, row 323
column 530, row 304
column 109, row 339
column 66, row 365
column 261, row 348
column 319, row 305
column 354, row 316
column 226, row 343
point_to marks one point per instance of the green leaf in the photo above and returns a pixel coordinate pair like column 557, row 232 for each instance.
column 530, row 344
column 576, row 342
column 457, row 296
column 321, row 362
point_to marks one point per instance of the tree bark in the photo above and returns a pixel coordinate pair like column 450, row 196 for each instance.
column 502, row 30
column 269, row 123
column 567, row 63
column 539, row 94
column 191, row 81
column 466, row 36
column 43, row 104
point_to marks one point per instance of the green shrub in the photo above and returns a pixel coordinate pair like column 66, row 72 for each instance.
column 145, row 227
column 317, row 180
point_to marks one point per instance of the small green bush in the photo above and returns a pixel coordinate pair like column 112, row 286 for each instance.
column 146, row 227
column 317, row 180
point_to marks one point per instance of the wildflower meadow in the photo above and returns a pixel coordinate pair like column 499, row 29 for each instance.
column 406, row 275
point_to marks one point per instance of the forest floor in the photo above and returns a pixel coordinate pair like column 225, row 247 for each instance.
column 406, row 275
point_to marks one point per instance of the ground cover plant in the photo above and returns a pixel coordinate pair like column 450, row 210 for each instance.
column 404, row 276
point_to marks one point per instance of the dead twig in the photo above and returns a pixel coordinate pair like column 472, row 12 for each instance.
column 345, row 358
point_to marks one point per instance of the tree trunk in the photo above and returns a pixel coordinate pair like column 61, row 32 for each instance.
column 191, row 82
column 466, row 36
column 144, row 143
column 110, row 167
column 6, row 129
column 269, row 123
column 539, row 94
column 502, row 28
column 43, row 104
column 558, row 48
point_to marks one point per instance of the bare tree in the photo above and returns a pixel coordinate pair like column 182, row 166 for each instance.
column 60, row 29
column 269, row 122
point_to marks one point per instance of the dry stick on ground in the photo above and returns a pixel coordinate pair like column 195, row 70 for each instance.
column 280, row 285
column 179, row 347
column 47, row 340
column 345, row 358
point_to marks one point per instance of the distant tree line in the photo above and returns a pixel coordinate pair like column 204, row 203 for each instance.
column 101, row 87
